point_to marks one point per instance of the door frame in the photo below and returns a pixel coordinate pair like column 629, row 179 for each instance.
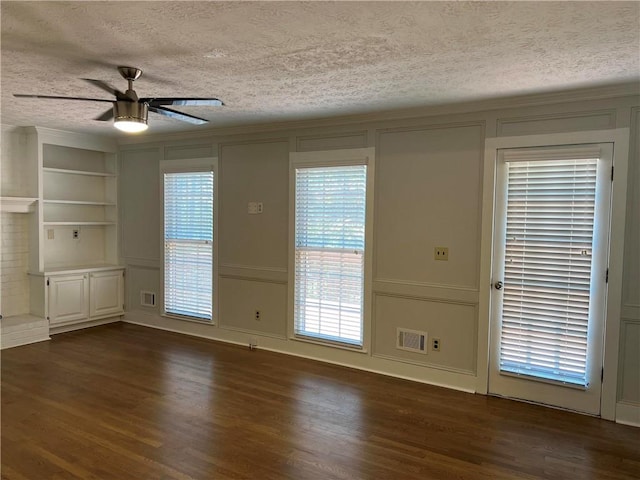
column 620, row 139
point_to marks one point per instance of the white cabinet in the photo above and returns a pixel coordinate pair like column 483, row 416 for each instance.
column 106, row 293
column 68, row 298
column 81, row 297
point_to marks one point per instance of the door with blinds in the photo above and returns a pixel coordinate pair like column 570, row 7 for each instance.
column 549, row 274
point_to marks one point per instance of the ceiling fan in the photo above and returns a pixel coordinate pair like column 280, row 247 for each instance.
column 130, row 112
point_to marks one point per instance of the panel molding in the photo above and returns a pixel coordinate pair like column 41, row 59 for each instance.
column 503, row 122
column 422, row 361
column 429, row 124
column 151, row 263
column 189, row 151
column 361, row 135
column 630, row 313
column 625, row 322
column 426, row 291
column 250, row 141
column 254, row 273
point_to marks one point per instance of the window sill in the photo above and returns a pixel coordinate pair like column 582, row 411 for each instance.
column 328, row 343
column 188, row 319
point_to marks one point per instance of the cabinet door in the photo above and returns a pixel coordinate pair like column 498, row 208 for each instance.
column 68, row 298
column 106, row 293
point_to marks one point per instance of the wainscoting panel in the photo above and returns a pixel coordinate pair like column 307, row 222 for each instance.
column 240, row 299
column 331, row 142
column 452, row 323
column 555, row 123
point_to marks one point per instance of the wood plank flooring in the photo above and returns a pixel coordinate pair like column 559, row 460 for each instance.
column 128, row 402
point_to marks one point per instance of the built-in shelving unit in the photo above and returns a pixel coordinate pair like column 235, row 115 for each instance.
column 67, row 183
column 79, row 219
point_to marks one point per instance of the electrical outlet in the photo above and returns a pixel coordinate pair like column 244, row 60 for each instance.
column 255, row 208
column 50, row 234
column 435, row 344
column 257, row 316
column 441, row 253
column 76, row 234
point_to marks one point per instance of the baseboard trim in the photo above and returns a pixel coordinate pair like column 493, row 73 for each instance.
column 367, row 363
column 80, row 326
column 628, row 414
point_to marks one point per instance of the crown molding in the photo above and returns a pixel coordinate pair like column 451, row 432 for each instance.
column 508, row 102
column 74, row 139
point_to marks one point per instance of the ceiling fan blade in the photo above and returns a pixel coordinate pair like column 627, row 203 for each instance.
column 190, row 102
column 108, row 115
column 107, row 88
column 167, row 112
column 54, row 97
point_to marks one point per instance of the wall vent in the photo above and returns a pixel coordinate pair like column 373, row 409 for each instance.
column 147, row 299
column 411, row 340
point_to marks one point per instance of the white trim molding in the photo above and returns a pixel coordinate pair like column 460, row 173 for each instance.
column 620, row 139
column 628, row 413
column 336, row 356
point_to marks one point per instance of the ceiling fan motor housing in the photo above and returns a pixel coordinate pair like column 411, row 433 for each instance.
column 130, row 111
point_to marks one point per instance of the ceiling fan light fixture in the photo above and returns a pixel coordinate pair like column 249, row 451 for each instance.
column 130, row 117
column 130, row 126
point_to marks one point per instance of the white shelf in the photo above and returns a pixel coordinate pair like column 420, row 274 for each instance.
column 17, row 204
column 77, row 172
column 91, row 267
column 77, row 223
column 79, row 202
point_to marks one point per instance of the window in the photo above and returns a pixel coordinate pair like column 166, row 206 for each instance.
column 330, row 255
column 188, row 239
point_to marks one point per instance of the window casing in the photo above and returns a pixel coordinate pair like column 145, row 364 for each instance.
column 188, row 239
column 330, row 246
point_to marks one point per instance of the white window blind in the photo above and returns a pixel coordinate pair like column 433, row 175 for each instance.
column 548, row 265
column 188, row 244
column 330, row 207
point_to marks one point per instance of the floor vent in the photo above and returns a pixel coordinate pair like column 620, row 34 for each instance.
column 147, row 299
column 412, row 341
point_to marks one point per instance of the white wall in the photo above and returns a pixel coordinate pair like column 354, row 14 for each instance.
column 17, row 179
column 428, row 193
column 14, row 263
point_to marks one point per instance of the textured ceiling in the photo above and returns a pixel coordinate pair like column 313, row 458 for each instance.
column 279, row 61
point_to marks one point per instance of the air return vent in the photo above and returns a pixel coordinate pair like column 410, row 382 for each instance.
column 412, row 341
column 147, row 299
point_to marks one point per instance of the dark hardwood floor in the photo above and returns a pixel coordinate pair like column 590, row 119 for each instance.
column 128, row 402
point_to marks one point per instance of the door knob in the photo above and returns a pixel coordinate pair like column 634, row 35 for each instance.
column 498, row 285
